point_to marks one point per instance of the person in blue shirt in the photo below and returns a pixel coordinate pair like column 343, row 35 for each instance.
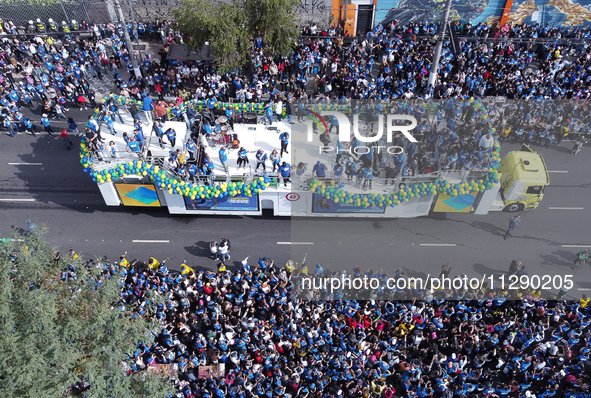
column 9, row 126
column 367, row 178
column 269, row 113
column 171, row 135
column 223, row 154
column 284, row 171
column 139, row 137
column 133, row 147
column 242, row 158
column 108, row 119
column 190, row 146
column 115, row 110
column 319, row 170
column 284, row 137
column 261, row 159
column 337, row 171
column 192, row 170
column 46, row 124
column 29, row 126
column 230, row 115
column 148, row 107
column 157, row 128
column 208, row 129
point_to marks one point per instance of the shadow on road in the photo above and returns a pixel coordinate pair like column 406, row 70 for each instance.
column 488, row 227
column 485, row 270
column 558, row 258
column 201, row 249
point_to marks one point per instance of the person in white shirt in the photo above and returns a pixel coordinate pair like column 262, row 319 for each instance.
column 279, row 109
column 486, row 141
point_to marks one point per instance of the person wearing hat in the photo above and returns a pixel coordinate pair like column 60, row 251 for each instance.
column 46, row 124
column 40, row 26
column 319, row 170
column 51, row 25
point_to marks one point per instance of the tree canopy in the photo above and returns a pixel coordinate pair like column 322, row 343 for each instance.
column 53, row 332
column 229, row 27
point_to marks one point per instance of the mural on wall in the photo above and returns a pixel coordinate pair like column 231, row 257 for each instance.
column 555, row 13
column 408, row 11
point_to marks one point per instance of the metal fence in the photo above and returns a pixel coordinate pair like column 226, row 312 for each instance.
column 22, row 11
column 99, row 11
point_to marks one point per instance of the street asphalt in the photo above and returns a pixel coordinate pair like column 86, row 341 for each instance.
column 41, row 180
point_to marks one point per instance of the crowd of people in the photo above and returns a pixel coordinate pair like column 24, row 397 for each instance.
column 272, row 340
column 456, row 343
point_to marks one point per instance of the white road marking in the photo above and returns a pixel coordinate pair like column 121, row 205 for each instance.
column 584, row 289
column 295, row 243
column 149, row 241
column 17, row 200
column 25, row 164
column 565, row 208
column 17, row 240
column 576, row 246
column 558, row 171
column 438, row 244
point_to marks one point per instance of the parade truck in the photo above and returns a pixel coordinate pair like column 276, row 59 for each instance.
column 145, row 178
column 523, row 178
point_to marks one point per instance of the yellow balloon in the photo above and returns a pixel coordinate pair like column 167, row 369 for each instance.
column 170, row 191
column 144, row 173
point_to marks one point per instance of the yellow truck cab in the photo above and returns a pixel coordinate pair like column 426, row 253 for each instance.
column 524, row 177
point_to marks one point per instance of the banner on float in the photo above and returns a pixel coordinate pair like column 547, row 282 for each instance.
column 138, row 195
column 320, row 204
column 238, row 203
column 454, row 204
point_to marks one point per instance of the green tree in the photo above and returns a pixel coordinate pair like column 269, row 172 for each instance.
column 53, row 332
column 229, row 27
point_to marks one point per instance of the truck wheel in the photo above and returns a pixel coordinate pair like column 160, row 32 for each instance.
column 513, row 207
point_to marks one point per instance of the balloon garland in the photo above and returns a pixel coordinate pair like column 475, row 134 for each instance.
column 337, row 195
column 172, row 185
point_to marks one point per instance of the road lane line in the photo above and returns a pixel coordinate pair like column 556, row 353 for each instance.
column 566, row 208
column 577, row 246
column 149, row 241
column 558, row 171
column 25, row 164
column 295, row 243
column 584, row 289
column 17, row 200
column 438, row 244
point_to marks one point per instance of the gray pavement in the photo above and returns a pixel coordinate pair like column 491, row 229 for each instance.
column 50, row 187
